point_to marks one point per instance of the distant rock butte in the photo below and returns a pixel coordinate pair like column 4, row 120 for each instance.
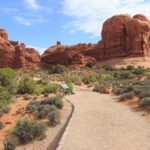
column 122, row 36
column 16, row 55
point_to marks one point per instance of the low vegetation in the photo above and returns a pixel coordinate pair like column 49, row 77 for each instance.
column 27, row 130
column 42, row 95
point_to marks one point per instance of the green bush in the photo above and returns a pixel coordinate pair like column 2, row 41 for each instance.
column 145, row 101
column 76, row 80
column 32, row 106
column 145, row 93
column 4, row 110
column 130, row 67
column 37, row 92
column 8, row 79
column 139, row 71
column 1, row 125
column 27, row 130
column 5, row 97
column 51, row 88
column 10, row 144
column 58, row 69
column 56, row 101
column 109, row 68
column 26, row 86
column 88, row 78
column 124, row 75
column 54, row 117
column 127, row 96
column 44, row 110
column 103, row 88
column 118, row 91
column 70, row 85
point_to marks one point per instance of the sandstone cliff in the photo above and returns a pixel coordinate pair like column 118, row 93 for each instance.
column 122, row 35
column 16, row 55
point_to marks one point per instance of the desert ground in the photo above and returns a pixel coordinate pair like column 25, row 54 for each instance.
column 104, row 106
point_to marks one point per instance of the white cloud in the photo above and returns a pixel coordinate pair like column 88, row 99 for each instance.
column 29, row 20
column 89, row 15
column 39, row 49
column 33, row 4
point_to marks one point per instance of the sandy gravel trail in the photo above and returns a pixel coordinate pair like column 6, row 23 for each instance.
column 100, row 123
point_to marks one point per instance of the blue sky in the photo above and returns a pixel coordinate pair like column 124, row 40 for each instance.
column 40, row 23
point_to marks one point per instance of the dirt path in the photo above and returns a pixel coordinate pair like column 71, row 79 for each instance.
column 100, row 123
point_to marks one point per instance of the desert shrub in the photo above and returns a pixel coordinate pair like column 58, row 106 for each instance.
column 137, row 91
column 42, row 82
column 27, row 130
column 54, row 117
column 43, row 110
column 88, row 78
column 51, row 88
column 76, row 80
column 8, row 79
column 5, row 97
column 58, row 69
column 37, row 92
column 2, row 124
column 109, row 68
column 127, row 96
column 123, row 89
column 68, row 81
column 56, row 101
column 103, row 88
column 4, row 110
column 26, row 86
column 145, row 101
column 145, row 93
column 32, row 106
column 70, row 85
column 10, row 144
column 124, row 75
column 130, row 67
column 103, row 77
column 118, row 91
column 139, row 71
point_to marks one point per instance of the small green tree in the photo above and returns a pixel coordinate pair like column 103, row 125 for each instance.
column 8, row 79
column 5, row 97
column 26, row 85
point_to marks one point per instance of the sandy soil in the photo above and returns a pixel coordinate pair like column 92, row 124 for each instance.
column 101, row 123
column 121, row 62
column 51, row 132
column 11, row 118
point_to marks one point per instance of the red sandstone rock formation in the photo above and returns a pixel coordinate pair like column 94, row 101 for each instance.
column 122, row 35
column 15, row 55
column 66, row 55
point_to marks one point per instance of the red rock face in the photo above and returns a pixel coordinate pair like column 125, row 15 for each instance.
column 122, row 35
column 15, row 55
column 67, row 55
